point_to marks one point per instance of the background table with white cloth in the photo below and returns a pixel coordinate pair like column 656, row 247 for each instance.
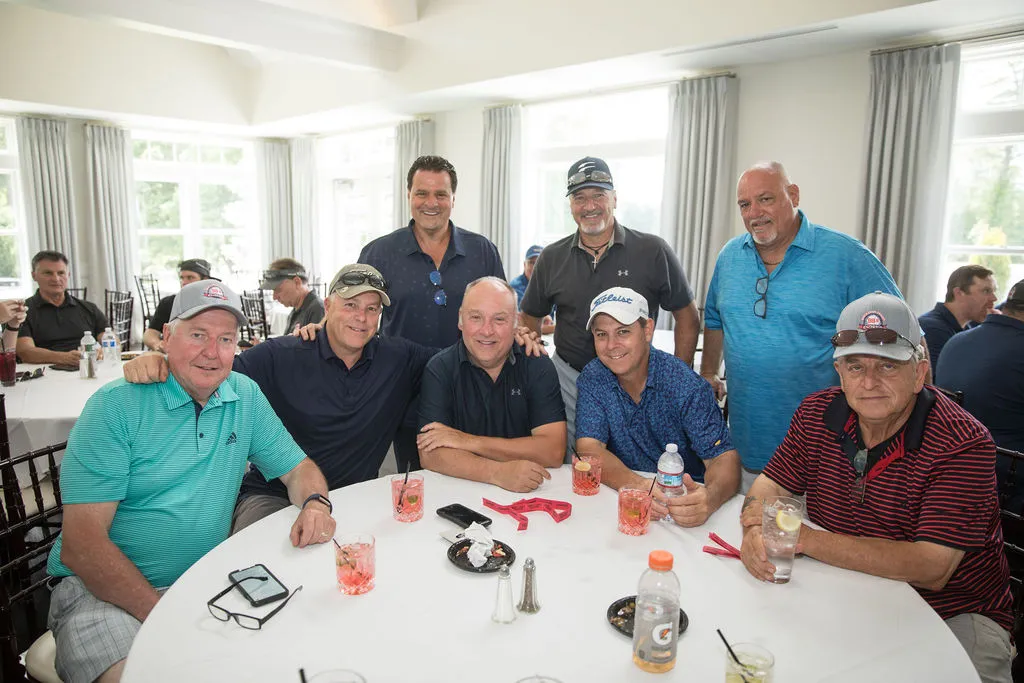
column 426, row 620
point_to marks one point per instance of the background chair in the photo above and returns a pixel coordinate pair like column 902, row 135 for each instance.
column 29, row 524
column 957, row 396
column 1013, row 545
column 120, row 307
column 255, row 310
column 149, row 295
column 78, row 292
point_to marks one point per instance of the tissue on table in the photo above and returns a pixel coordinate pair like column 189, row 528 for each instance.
column 482, row 544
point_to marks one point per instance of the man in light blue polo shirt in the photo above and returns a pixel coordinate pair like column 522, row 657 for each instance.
column 773, row 303
column 149, row 483
column 633, row 400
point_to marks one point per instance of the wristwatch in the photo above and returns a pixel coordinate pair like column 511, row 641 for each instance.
column 320, row 498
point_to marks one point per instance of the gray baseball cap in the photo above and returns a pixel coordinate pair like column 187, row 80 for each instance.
column 879, row 311
column 196, row 297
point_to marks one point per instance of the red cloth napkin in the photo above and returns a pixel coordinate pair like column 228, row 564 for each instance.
column 558, row 509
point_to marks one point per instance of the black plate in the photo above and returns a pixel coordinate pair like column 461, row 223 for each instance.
column 620, row 616
column 457, row 553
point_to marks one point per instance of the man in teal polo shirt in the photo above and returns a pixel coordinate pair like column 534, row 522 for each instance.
column 150, row 479
column 773, row 303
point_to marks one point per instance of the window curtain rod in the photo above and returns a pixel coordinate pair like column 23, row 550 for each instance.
column 975, row 39
column 615, row 91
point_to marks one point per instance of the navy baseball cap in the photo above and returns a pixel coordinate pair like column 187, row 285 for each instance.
column 588, row 172
column 533, row 252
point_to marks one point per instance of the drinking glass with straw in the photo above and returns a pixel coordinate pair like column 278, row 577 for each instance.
column 407, row 496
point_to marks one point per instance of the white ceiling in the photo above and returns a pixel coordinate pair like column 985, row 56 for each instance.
column 317, row 65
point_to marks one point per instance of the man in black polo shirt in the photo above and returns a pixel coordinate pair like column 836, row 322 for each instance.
column 56, row 320
column 900, row 479
column 488, row 412
column 600, row 255
column 189, row 270
column 290, row 284
column 970, row 295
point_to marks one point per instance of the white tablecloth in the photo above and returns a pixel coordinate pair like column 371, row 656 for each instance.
column 277, row 318
column 42, row 411
column 428, row 621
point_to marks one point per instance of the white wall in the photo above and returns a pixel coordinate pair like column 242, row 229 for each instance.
column 810, row 115
column 459, row 138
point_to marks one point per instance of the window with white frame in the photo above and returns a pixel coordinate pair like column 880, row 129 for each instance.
column 15, row 278
column 356, row 172
column 626, row 129
column 985, row 205
column 196, row 198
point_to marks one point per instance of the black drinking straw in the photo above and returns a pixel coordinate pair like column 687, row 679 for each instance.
column 302, row 675
column 653, row 482
column 733, row 655
column 401, row 494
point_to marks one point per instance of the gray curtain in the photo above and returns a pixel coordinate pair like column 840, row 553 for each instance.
column 274, row 187
column 909, row 142
column 501, row 171
column 303, row 202
column 112, row 245
column 412, row 139
column 45, row 165
column 697, row 200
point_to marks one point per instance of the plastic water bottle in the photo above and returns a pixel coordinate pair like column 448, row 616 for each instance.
column 656, row 620
column 87, row 365
column 111, row 347
column 670, row 472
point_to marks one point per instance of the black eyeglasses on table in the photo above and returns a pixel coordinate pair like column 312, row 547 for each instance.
column 245, row 620
column 761, row 305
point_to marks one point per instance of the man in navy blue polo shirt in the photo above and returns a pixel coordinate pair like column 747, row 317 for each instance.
column 970, row 295
column 341, row 395
column 635, row 399
column 987, row 364
column 428, row 264
column 488, row 411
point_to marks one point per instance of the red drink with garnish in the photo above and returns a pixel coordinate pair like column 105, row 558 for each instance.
column 634, row 511
column 407, row 497
column 586, row 475
column 354, row 560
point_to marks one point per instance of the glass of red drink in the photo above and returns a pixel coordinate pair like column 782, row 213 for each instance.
column 634, row 511
column 407, row 497
column 354, row 561
column 8, row 363
column 586, row 475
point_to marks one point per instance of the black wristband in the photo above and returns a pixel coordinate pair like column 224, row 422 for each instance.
column 12, row 328
column 320, row 498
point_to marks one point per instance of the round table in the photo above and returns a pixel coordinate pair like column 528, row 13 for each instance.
column 426, row 620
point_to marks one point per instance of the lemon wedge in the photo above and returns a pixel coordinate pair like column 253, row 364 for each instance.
column 582, row 465
column 787, row 521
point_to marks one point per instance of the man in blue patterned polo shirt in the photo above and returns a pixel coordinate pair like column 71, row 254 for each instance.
column 635, row 399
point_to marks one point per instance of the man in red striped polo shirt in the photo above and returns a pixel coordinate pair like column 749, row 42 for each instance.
column 901, row 479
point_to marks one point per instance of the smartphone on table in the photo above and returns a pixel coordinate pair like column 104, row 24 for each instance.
column 462, row 515
column 261, row 588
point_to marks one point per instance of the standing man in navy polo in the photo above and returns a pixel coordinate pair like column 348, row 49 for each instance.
column 772, row 304
column 635, row 399
column 489, row 412
column 428, row 264
column 520, row 282
column 970, row 295
column 602, row 253
column 986, row 363
column 899, row 480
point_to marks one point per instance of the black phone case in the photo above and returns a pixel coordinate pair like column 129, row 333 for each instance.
column 462, row 515
column 265, row 601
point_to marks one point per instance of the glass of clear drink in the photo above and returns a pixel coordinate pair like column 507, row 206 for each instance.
column 634, row 511
column 407, row 497
column 758, row 664
column 586, row 475
column 781, row 518
column 354, row 562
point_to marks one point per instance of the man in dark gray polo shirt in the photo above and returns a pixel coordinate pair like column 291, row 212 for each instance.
column 602, row 254
column 488, row 411
column 287, row 278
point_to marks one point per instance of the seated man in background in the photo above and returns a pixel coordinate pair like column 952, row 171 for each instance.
column 341, row 394
column 56, row 320
column 901, row 480
column 986, row 363
column 290, row 283
column 970, row 295
column 150, row 478
column 519, row 283
column 189, row 270
column 634, row 399
column 488, row 412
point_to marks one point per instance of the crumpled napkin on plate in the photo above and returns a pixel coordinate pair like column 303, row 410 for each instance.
column 482, row 544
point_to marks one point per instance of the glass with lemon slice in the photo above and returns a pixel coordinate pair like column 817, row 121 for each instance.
column 781, row 518
column 586, row 475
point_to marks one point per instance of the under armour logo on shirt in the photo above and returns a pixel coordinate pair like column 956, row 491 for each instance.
column 517, row 392
column 623, row 272
column 231, row 439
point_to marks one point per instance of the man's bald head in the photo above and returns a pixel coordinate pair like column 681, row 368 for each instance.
column 768, row 204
